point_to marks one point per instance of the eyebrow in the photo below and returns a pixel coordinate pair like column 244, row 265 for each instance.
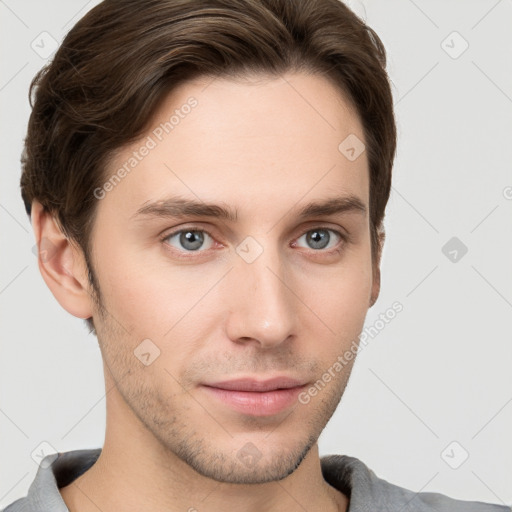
column 177, row 207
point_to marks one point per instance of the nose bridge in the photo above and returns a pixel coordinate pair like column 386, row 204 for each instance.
column 262, row 306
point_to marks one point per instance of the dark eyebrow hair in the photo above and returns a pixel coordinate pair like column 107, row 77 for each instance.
column 179, row 207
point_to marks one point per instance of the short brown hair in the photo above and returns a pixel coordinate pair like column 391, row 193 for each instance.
column 120, row 61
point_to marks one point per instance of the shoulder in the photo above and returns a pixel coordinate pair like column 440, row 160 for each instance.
column 369, row 492
column 56, row 470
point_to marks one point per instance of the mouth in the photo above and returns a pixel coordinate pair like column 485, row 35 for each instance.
column 256, row 397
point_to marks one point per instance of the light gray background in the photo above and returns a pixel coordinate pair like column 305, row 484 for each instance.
column 439, row 372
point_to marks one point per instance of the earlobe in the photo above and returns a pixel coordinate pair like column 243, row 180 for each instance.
column 376, row 270
column 375, row 286
column 61, row 264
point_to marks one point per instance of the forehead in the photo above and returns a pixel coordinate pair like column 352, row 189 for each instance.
column 256, row 142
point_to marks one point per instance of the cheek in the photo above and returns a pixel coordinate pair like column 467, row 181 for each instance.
column 340, row 293
column 133, row 290
column 151, row 296
column 340, row 302
column 339, row 312
column 146, row 303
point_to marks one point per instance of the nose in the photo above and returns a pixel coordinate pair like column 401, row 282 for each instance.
column 262, row 304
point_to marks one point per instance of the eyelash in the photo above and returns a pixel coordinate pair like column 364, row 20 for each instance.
column 335, row 250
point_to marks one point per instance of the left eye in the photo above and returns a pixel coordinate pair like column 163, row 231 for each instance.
column 320, row 238
column 189, row 239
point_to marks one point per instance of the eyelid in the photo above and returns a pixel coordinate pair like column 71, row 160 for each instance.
column 336, row 228
column 345, row 238
column 167, row 235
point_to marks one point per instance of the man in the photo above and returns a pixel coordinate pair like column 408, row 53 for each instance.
column 207, row 184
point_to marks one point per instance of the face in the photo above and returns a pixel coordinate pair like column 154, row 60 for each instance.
column 274, row 289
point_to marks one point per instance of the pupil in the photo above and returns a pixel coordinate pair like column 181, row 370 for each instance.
column 317, row 236
column 187, row 240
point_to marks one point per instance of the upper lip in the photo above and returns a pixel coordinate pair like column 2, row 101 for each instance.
column 248, row 384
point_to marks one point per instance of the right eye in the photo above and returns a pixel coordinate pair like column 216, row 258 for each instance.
column 188, row 240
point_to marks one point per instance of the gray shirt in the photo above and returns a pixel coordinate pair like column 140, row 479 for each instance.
column 367, row 492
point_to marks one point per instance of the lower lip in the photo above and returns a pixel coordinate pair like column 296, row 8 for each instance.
column 257, row 403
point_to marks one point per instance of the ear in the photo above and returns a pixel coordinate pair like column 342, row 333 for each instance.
column 381, row 235
column 61, row 264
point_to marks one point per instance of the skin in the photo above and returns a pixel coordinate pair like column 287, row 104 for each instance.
column 168, row 444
